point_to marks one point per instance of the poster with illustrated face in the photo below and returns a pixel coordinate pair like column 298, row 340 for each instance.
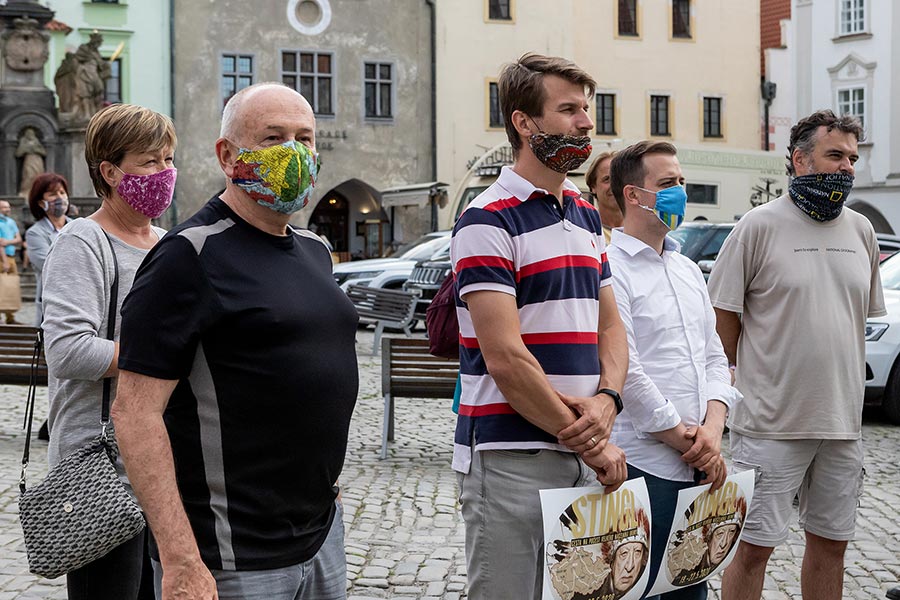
column 596, row 545
column 705, row 533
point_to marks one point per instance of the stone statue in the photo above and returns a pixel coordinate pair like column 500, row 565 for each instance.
column 81, row 82
column 32, row 154
column 25, row 45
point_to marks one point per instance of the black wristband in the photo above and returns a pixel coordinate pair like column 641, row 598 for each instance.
column 615, row 396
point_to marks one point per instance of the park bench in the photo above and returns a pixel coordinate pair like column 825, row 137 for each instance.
column 409, row 371
column 385, row 308
column 16, row 352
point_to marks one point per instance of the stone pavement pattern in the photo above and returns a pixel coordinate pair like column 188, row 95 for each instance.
column 405, row 537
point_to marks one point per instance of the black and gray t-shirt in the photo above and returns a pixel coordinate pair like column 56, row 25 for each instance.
column 262, row 341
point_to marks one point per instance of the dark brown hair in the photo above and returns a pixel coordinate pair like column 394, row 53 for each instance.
column 39, row 187
column 521, row 87
column 627, row 166
column 803, row 134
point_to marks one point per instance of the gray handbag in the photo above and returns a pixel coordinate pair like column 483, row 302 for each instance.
column 81, row 510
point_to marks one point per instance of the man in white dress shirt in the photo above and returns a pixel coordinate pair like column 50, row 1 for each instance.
column 678, row 389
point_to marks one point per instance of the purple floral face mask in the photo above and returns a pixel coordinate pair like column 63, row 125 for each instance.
column 150, row 195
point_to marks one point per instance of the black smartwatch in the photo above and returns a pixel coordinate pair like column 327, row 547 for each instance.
column 615, row 396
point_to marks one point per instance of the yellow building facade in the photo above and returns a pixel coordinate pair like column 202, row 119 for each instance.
column 686, row 71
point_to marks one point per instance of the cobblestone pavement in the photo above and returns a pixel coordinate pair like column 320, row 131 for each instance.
column 405, row 537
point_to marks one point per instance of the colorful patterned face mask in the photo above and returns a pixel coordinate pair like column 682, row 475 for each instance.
column 821, row 195
column 151, row 194
column 280, row 177
column 559, row 151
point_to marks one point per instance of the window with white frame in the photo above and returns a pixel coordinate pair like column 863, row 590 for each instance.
column 852, row 101
column 712, row 117
column 852, row 16
column 311, row 74
column 237, row 73
column 495, row 115
column 500, row 10
column 379, row 83
column 659, row 115
column 606, row 114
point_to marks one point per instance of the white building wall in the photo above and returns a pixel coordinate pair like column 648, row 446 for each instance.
column 824, row 62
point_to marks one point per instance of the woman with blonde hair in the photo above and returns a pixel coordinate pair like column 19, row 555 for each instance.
column 129, row 150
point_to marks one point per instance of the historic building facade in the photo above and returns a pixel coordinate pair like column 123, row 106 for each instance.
column 365, row 66
column 685, row 71
column 845, row 55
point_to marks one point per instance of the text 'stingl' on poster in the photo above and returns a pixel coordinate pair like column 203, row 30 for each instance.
column 705, row 532
column 596, row 545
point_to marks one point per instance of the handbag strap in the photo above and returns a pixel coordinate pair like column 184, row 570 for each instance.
column 29, row 403
column 35, row 364
column 110, row 335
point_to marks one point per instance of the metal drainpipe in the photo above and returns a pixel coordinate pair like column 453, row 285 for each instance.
column 434, row 176
column 174, row 208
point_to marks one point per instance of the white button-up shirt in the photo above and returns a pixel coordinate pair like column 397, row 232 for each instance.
column 676, row 363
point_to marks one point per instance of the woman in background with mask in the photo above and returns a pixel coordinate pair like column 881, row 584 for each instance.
column 129, row 151
column 48, row 202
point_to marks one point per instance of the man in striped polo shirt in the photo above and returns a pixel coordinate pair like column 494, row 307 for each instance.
column 537, row 320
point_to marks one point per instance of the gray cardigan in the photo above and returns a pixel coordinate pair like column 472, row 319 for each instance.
column 78, row 278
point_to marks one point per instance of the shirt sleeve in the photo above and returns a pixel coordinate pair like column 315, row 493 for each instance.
column 164, row 316
column 731, row 273
column 75, row 348
column 482, row 254
column 38, row 246
column 648, row 408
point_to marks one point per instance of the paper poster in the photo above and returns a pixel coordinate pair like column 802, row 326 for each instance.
column 705, row 533
column 596, row 545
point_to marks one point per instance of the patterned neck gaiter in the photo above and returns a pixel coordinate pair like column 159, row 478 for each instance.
column 821, row 195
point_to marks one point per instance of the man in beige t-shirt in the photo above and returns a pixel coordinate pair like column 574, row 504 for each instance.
column 792, row 288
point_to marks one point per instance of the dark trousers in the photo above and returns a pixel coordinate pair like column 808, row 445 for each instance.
column 125, row 573
column 663, row 497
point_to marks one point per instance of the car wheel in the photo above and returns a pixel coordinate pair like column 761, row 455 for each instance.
column 890, row 401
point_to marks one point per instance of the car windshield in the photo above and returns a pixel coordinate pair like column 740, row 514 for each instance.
column 890, row 273
column 689, row 238
column 423, row 248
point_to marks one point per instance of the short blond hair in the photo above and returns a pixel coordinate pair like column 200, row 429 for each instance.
column 590, row 178
column 118, row 129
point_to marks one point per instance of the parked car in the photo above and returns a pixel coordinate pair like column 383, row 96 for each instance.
column 888, row 244
column 426, row 279
column 883, row 345
column 701, row 241
column 391, row 272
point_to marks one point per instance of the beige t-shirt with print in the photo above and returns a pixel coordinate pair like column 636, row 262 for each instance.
column 805, row 289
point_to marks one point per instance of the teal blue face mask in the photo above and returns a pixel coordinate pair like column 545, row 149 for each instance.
column 670, row 205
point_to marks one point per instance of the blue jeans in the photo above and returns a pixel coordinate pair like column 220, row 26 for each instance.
column 323, row 577
column 663, row 497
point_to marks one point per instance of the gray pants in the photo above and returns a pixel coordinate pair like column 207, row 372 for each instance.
column 323, row 577
column 501, row 507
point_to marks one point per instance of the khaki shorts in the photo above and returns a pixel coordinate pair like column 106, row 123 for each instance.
column 827, row 474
